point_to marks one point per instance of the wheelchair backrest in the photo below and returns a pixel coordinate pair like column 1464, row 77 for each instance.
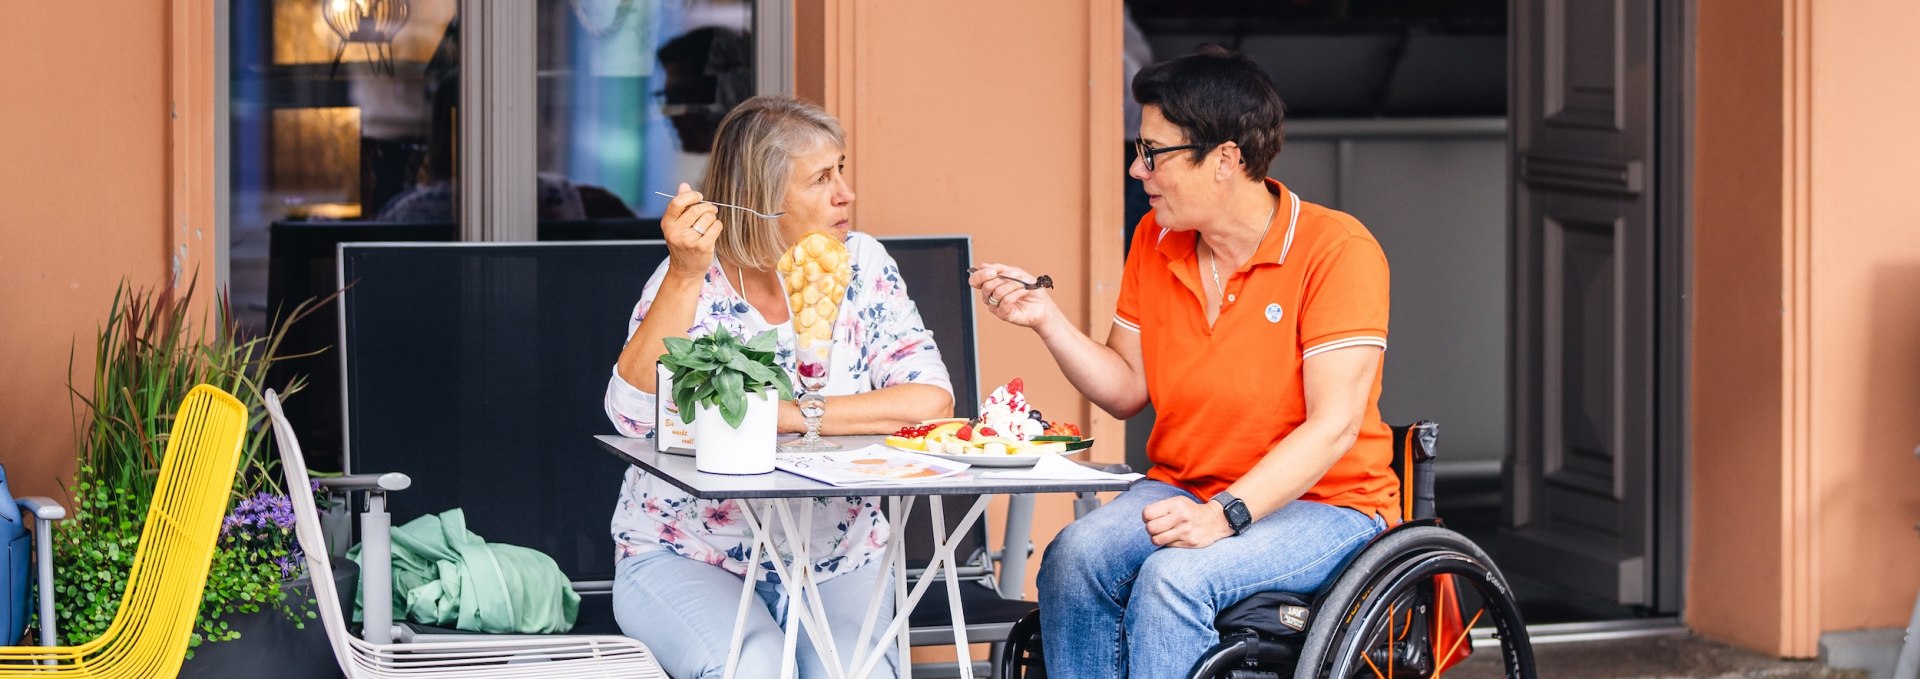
column 1414, row 447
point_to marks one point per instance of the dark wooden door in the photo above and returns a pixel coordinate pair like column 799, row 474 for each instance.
column 1580, row 481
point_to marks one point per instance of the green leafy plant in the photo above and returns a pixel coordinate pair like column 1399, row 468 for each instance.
column 717, row 371
column 149, row 353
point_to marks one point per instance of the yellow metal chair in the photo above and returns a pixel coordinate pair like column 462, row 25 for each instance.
column 148, row 636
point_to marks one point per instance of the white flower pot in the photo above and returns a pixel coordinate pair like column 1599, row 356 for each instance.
column 747, row 449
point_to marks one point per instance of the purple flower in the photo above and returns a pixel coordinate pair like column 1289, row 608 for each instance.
column 264, row 524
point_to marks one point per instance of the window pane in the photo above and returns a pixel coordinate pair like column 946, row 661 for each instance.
column 341, row 128
column 629, row 94
column 341, row 111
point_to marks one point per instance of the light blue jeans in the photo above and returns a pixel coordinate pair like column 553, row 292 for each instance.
column 683, row 610
column 1113, row 605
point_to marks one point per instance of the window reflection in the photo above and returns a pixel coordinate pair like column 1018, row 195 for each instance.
column 630, row 93
column 323, row 129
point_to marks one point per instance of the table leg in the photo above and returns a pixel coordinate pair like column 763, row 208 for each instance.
column 763, row 538
column 960, row 649
column 746, row 599
column 899, row 566
column 943, row 557
column 808, row 597
column 896, row 517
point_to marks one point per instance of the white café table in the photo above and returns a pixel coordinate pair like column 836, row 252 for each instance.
column 788, row 496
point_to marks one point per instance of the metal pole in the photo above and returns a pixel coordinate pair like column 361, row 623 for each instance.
column 376, row 571
column 43, row 534
column 1013, row 550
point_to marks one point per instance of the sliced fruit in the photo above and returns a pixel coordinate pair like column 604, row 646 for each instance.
column 1040, row 448
column 946, row 428
column 909, row 443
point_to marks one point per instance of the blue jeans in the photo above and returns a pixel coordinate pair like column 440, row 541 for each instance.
column 683, row 610
column 1113, row 605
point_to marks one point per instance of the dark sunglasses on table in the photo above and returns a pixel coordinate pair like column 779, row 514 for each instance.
column 1146, row 153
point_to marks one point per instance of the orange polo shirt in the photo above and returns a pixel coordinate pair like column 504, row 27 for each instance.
column 1225, row 395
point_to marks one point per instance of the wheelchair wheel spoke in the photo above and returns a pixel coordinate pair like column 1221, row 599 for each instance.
column 1465, row 632
column 1376, row 668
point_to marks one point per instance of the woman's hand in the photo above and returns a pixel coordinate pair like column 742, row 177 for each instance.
column 1181, row 522
column 690, row 228
column 1010, row 300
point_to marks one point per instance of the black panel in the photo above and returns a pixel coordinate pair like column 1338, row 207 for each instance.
column 303, row 265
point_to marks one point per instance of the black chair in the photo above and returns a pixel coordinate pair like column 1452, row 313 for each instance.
column 1376, row 619
column 478, row 370
column 303, row 264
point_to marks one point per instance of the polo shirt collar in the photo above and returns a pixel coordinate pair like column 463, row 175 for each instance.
column 1179, row 245
column 1286, row 220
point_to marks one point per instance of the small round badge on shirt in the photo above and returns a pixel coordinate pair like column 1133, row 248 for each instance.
column 1273, row 313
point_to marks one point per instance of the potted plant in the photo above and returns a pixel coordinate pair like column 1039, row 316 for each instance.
column 149, row 353
column 730, row 392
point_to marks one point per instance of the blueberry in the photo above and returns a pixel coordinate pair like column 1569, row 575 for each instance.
column 1035, row 414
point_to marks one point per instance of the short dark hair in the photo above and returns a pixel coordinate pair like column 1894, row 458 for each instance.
column 1216, row 95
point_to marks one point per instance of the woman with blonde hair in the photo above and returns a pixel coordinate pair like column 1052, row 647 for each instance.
column 681, row 559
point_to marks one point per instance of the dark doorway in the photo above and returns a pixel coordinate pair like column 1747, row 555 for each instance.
column 1407, row 115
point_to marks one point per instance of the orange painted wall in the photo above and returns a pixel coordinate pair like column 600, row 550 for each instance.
column 1738, row 385
column 1866, row 310
column 1806, row 364
column 86, row 147
column 952, row 133
column 963, row 121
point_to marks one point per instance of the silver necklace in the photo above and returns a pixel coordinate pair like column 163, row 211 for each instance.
column 1213, row 256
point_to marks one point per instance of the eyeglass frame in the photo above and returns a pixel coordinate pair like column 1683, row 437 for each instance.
column 1146, row 154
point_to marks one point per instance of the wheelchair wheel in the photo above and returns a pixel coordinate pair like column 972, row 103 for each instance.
column 1376, row 622
column 1020, row 656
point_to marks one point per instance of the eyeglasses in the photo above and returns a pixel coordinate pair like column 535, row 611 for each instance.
column 1146, row 154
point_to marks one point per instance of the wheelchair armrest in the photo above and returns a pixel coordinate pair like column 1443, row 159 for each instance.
column 45, row 511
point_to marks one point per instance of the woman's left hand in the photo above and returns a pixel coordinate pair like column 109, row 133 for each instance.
column 1181, row 522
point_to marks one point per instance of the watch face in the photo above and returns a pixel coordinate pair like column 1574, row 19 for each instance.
column 1237, row 515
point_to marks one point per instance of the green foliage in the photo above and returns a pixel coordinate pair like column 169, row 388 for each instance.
column 150, row 352
column 718, row 371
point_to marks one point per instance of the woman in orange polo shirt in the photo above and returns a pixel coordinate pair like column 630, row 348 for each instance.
column 1256, row 324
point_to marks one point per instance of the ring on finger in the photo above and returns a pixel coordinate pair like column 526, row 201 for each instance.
column 700, row 230
column 991, row 301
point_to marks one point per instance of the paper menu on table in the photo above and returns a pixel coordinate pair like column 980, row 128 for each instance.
column 870, row 465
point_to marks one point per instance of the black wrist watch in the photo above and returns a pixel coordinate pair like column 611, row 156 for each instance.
column 1237, row 515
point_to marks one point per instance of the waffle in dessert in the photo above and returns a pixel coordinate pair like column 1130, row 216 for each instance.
column 815, row 273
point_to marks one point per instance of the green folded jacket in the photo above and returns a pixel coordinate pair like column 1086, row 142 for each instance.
column 446, row 576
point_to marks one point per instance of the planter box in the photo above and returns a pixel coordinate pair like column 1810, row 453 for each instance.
column 269, row 644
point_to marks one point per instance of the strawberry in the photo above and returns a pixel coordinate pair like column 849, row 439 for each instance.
column 964, row 433
column 1016, row 386
column 988, row 431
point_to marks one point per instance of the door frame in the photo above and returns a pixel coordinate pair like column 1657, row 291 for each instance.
column 1673, row 310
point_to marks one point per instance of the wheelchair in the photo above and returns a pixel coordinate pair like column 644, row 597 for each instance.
column 1403, row 606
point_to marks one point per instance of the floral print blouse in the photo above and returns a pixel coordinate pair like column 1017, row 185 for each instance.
column 879, row 341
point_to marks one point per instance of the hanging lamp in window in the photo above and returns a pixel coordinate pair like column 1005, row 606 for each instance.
column 372, row 23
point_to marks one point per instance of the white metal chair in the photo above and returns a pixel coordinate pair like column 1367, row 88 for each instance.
column 520, row 656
